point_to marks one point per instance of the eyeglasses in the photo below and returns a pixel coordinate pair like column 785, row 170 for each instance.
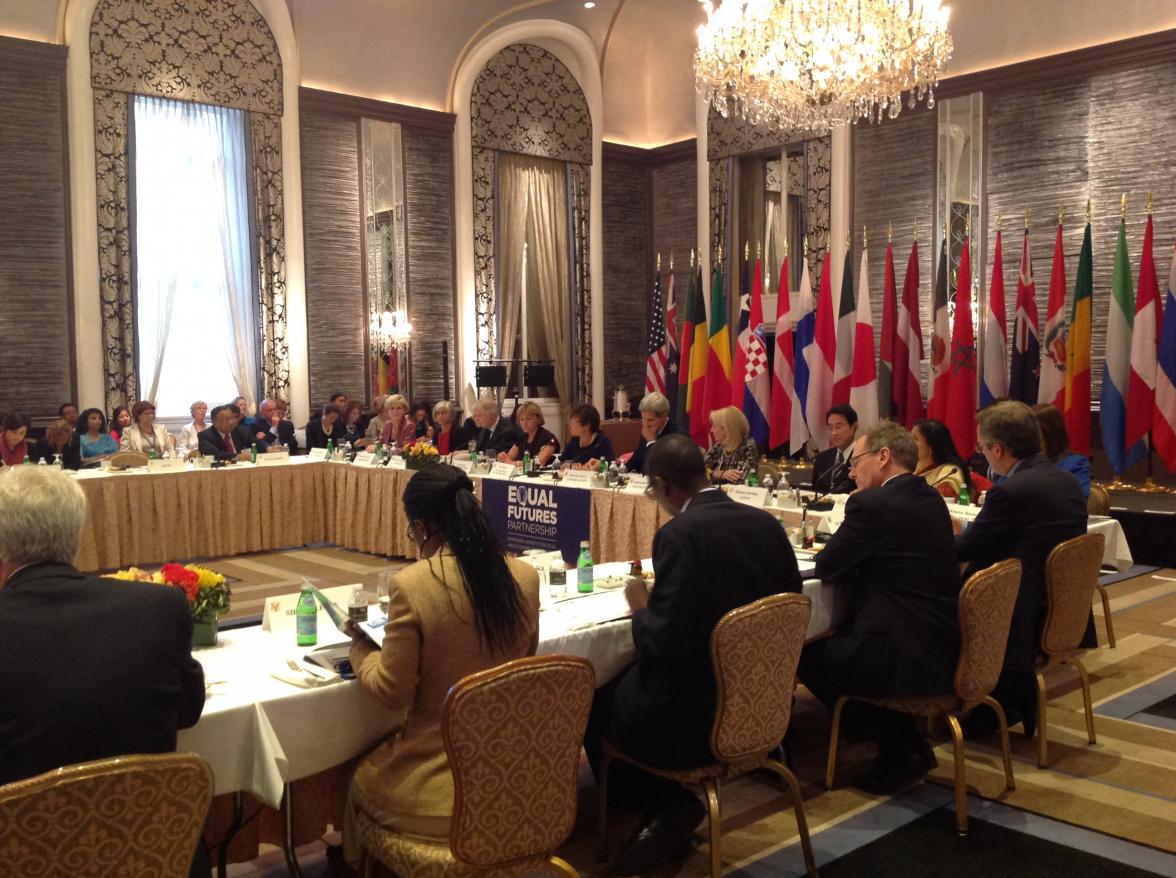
column 853, row 461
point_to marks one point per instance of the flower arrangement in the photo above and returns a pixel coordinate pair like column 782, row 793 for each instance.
column 421, row 454
column 207, row 591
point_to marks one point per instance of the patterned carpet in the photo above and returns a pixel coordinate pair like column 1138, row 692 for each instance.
column 1114, row 801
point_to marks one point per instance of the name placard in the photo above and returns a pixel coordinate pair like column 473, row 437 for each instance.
column 397, row 462
column 278, row 615
column 750, row 496
column 502, row 471
column 576, row 478
column 636, row 485
column 273, row 458
column 364, row 458
column 464, row 465
column 166, row 463
column 317, row 454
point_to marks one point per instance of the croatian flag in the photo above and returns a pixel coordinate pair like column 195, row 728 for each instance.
column 1117, row 364
column 994, row 378
column 1164, row 422
column 806, row 328
column 757, row 384
column 1145, row 341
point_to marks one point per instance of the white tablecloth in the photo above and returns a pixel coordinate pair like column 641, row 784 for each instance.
column 259, row 733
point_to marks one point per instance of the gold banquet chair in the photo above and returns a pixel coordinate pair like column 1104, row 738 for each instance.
column 131, row 815
column 754, row 653
column 513, row 736
column 985, row 611
column 1100, row 504
column 1071, row 575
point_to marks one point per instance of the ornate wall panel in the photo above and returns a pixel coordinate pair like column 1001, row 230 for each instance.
column 485, row 164
column 628, row 263
column 733, row 137
column 212, row 53
column 526, row 101
column 1052, row 143
column 818, row 162
column 428, row 179
column 336, row 310
column 36, row 309
column 221, row 54
column 720, row 197
column 894, row 182
column 581, row 188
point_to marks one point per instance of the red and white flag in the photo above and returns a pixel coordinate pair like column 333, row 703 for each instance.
column 1145, row 343
column 1051, row 385
column 821, row 355
column 784, row 405
column 863, row 385
column 940, row 342
column 908, row 347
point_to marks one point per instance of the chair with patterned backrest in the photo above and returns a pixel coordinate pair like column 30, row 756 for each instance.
column 754, row 653
column 1071, row 576
column 1100, row 504
column 131, row 815
column 985, row 611
column 513, row 736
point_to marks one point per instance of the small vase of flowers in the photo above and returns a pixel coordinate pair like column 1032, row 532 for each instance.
column 421, row 455
column 207, row 591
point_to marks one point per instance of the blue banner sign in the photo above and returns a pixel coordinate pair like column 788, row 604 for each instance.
column 531, row 515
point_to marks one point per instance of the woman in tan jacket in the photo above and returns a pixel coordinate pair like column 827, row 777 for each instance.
column 462, row 608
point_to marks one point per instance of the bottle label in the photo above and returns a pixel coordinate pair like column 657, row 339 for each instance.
column 306, row 624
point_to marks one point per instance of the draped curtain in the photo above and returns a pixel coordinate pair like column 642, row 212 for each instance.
column 532, row 196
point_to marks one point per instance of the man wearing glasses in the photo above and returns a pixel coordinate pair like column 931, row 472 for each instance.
column 831, row 468
column 894, row 552
column 714, row 555
column 1033, row 507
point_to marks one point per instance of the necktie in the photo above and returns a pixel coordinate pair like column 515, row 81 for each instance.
column 229, row 445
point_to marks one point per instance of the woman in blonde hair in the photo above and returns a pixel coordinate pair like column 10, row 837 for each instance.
column 398, row 426
column 536, row 439
column 733, row 454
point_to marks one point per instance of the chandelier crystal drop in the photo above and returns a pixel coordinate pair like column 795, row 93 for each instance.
column 814, row 64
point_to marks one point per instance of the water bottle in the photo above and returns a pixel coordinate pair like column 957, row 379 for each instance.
column 752, row 480
column 330, row 449
column 378, row 454
column 306, row 618
column 964, row 499
column 622, row 470
column 526, row 463
column 557, row 582
column 253, row 453
column 613, row 474
column 584, row 569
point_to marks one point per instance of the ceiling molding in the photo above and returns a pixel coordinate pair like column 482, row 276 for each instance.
column 652, row 157
column 369, row 108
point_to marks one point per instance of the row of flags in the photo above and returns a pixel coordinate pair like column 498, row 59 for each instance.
column 824, row 354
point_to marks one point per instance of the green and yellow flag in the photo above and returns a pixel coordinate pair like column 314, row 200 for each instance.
column 1077, row 411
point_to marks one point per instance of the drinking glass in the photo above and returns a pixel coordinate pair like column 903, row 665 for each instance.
column 384, row 591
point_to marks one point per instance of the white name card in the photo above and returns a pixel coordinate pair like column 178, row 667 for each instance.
column 317, row 454
column 636, row 485
column 273, row 458
column 397, row 462
column 365, row 458
column 502, row 471
column 750, row 496
column 278, row 615
column 464, row 465
column 166, row 463
column 577, row 478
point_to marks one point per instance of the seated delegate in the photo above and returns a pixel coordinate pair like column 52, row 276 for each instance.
column 1056, row 446
column 14, row 446
column 655, row 423
column 96, row 443
column 831, row 466
column 325, row 428
column 733, row 454
column 221, row 440
column 588, row 446
column 939, row 462
column 60, row 442
column 534, row 438
column 146, row 436
column 463, row 607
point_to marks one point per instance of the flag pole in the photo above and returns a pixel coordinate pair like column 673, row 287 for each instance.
column 1149, row 486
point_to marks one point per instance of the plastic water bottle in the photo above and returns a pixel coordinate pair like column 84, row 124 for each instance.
column 613, row 474
column 253, row 453
column 584, row 569
column 526, row 463
column 330, row 449
column 752, row 481
column 965, row 498
column 622, row 470
column 306, row 618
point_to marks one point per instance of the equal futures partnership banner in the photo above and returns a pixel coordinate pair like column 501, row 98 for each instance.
column 533, row 515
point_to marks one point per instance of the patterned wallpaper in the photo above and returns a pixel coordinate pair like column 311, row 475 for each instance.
column 628, row 281
column 734, row 137
column 526, row 101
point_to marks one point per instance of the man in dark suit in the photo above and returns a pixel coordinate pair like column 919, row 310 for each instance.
column 222, row 440
column 496, row 434
column 263, row 427
column 284, row 429
column 831, row 468
column 713, row 556
column 1033, row 507
column 90, row 668
column 895, row 553
column 655, row 423
column 327, row 427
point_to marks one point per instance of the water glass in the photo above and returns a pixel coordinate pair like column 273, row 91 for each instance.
column 384, row 591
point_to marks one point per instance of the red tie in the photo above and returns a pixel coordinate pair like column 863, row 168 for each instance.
column 229, row 445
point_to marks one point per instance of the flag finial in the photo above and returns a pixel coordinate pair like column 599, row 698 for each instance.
column 849, row 239
column 692, row 258
column 659, row 260
column 968, row 224
column 671, row 260
column 999, row 221
column 1061, row 215
column 785, row 248
column 1026, row 219
column 720, row 255
column 890, row 233
column 865, row 240
column 1122, row 207
column 1149, row 204
column 806, row 246
column 746, row 251
column 758, row 251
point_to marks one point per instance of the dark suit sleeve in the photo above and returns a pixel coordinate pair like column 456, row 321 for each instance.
column 853, row 543
column 993, row 531
column 208, row 446
column 191, row 672
column 504, row 439
column 662, row 630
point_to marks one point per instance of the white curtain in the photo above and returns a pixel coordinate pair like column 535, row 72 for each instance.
column 532, row 196
column 195, row 303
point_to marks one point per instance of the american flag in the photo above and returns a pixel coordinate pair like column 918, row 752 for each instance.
column 658, row 352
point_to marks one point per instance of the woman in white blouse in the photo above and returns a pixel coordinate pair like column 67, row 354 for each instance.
column 144, row 435
column 189, row 439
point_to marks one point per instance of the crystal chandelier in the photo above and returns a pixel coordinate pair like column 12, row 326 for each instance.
column 391, row 329
column 814, row 64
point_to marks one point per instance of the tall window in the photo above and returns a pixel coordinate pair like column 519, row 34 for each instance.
column 195, row 305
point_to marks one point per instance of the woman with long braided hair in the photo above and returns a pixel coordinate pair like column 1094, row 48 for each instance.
column 462, row 608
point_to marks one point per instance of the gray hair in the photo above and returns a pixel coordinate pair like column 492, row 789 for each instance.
column 656, row 403
column 44, row 511
column 902, row 445
column 192, row 408
column 488, row 404
column 443, row 405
